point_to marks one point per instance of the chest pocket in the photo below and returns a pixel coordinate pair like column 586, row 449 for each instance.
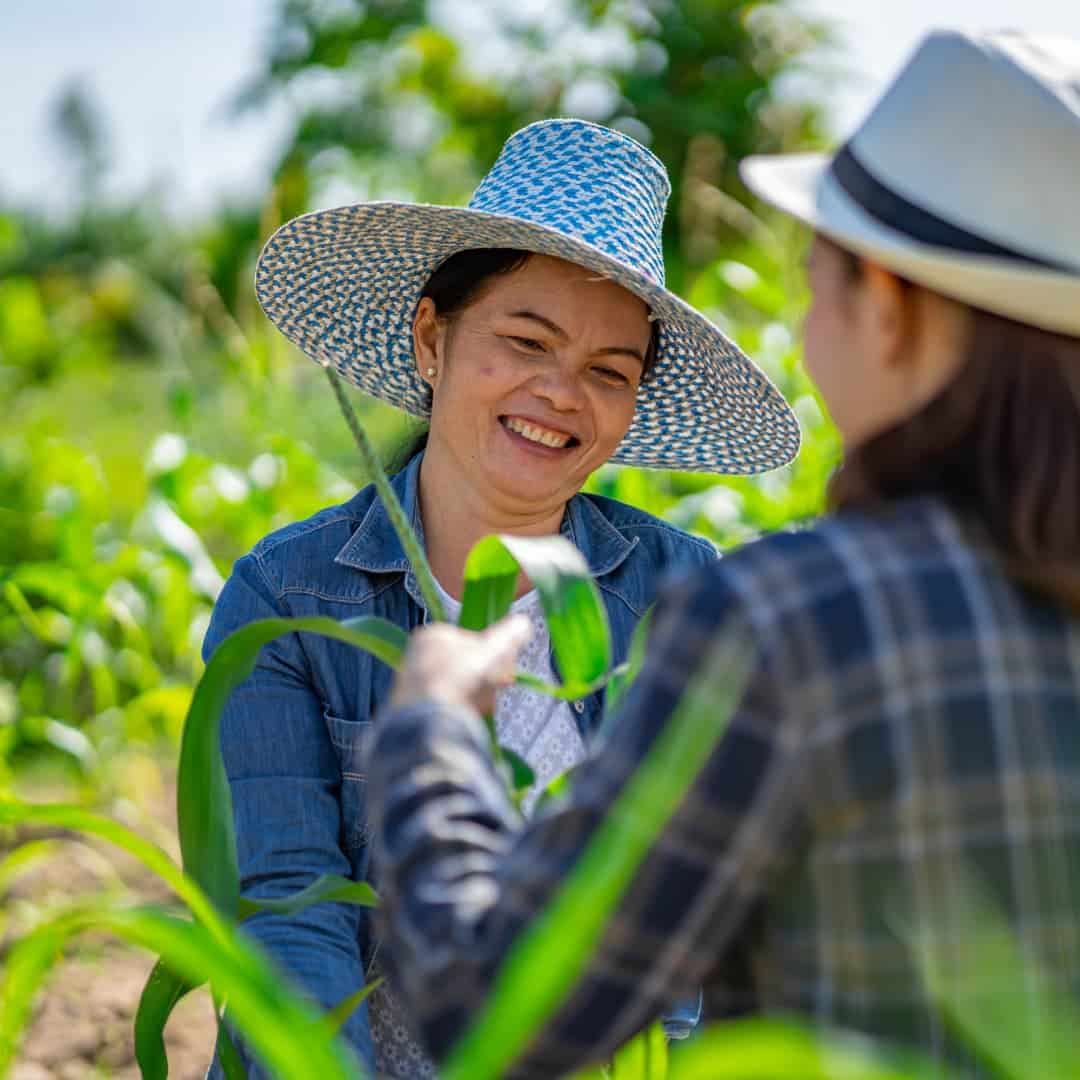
column 349, row 738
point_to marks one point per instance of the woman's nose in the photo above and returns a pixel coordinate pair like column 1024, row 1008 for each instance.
column 562, row 389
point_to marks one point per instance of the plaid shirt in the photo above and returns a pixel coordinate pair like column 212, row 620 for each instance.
column 910, row 716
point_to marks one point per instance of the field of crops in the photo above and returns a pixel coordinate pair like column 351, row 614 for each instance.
column 156, row 426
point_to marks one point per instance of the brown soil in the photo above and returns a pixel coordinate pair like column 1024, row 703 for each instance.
column 83, row 1019
column 83, row 1023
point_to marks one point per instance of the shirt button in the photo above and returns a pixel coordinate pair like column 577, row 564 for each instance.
column 579, row 706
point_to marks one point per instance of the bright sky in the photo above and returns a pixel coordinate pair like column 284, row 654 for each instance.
column 163, row 72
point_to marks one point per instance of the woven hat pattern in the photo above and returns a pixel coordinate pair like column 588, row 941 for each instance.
column 343, row 284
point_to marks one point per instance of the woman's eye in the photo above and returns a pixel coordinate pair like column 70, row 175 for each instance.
column 612, row 375
column 529, row 344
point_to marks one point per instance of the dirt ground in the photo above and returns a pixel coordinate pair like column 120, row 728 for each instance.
column 82, row 1021
column 82, row 1027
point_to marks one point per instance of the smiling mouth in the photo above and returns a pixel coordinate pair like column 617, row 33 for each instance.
column 537, row 433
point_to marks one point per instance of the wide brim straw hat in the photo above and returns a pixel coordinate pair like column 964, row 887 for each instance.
column 965, row 177
column 343, row 284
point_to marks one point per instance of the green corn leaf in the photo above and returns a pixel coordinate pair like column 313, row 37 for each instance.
column 164, row 989
column 991, row 992
column 642, row 1058
column 410, row 542
column 556, row 789
column 575, row 614
column 335, row 1018
column 567, row 691
column 232, row 1064
column 204, row 804
column 760, row 1049
column 576, row 619
column 326, row 887
column 623, row 676
column 60, row 816
column 491, row 574
column 24, row 858
column 521, row 772
column 280, row 1026
column 549, row 958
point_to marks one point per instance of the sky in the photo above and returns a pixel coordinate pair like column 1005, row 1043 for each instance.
column 164, row 73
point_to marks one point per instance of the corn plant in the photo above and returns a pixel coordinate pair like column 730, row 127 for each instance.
column 203, row 942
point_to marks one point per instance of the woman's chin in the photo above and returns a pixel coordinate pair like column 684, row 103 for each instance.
column 540, row 484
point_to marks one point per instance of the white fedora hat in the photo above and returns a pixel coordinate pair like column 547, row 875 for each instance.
column 965, row 177
column 344, row 284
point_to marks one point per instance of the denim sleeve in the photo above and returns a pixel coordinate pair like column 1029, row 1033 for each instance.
column 285, row 781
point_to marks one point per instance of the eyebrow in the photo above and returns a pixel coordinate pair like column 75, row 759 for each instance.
column 561, row 334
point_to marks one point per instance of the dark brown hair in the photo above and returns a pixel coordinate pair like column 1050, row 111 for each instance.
column 459, row 281
column 1001, row 443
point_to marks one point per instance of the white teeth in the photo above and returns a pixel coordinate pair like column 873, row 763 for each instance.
column 537, row 434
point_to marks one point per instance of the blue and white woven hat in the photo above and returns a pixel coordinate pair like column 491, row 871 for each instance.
column 343, row 284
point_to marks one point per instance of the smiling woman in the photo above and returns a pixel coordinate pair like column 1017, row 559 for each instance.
column 534, row 330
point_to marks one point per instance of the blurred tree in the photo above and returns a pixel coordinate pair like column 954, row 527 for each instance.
column 79, row 128
column 413, row 98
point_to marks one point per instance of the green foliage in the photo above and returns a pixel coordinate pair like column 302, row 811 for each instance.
column 158, row 427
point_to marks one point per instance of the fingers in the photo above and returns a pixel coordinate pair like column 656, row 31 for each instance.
column 448, row 664
column 503, row 642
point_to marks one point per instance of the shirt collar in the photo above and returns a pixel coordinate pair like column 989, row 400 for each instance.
column 375, row 547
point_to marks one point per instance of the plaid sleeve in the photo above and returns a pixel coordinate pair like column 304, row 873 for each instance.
column 461, row 875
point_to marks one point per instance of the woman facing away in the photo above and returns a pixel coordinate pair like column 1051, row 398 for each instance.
column 534, row 329
column 907, row 725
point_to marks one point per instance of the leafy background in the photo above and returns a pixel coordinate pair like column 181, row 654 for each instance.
column 157, row 426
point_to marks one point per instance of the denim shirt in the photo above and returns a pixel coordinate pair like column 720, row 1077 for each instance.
column 292, row 733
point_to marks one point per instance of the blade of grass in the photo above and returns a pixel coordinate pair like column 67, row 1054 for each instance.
column 575, row 614
column 410, row 542
column 335, row 1018
column 164, row 989
column 550, row 957
column 491, row 574
column 993, row 994
column 204, row 803
column 60, row 816
column 232, row 1065
column 623, row 676
column 644, row 1057
column 326, row 887
column 768, row 1049
column 281, row 1027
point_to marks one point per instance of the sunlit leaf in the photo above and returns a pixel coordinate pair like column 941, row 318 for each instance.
column 1007, row 1011
column 491, row 575
column 623, row 676
column 336, row 1017
column 642, row 1058
column 164, row 989
column 204, row 803
column 281, row 1028
column 766, row 1049
column 548, row 959
column 327, row 887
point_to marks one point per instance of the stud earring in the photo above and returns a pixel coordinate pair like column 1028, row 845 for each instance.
column 431, row 372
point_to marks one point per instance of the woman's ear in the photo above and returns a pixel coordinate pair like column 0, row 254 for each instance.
column 889, row 314
column 429, row 336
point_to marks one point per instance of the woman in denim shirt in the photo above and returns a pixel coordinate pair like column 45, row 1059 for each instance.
column 533, row 328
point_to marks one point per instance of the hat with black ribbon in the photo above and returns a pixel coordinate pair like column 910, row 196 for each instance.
column 965, row 177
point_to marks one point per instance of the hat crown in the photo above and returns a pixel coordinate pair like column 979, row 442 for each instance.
column 937, row 137
column 589, row 182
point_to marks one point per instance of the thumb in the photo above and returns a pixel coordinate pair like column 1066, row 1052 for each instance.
column 504, row 641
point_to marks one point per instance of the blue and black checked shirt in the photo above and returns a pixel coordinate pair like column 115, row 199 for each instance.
column 910, row 722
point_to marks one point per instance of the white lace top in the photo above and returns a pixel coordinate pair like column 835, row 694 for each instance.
column 537, row 728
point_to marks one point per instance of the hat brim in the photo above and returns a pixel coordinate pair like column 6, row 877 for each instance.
column 343, row 285
column 803, row 186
